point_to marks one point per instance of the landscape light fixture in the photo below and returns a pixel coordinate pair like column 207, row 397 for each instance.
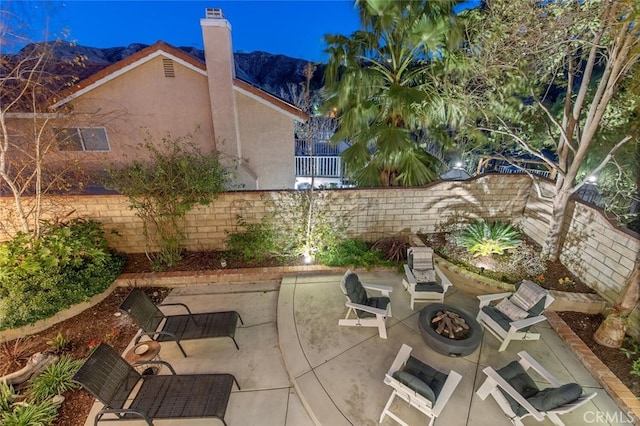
column 307, row 258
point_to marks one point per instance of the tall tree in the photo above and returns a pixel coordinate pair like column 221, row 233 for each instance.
column 377, row 76
column 558, row 76
column 30, row 163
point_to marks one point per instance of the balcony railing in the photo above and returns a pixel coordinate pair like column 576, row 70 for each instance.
column 324, row 166
column 318, row 148
column 513, row 169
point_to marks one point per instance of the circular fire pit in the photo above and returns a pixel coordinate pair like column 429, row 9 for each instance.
column 437, row 322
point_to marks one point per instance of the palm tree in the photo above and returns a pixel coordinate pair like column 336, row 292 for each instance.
column 377, row 84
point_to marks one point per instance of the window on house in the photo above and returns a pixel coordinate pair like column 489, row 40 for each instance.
column 82, row 139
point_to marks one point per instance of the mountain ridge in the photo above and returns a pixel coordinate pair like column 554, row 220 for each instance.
column 270, row 72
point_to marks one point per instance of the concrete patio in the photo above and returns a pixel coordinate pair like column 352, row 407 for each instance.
column 296, row 366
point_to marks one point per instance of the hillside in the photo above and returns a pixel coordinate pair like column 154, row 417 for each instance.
column 270, row 72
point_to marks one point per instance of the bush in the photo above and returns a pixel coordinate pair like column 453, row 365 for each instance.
column 351, row 253
column 256, row 243
column 162, row 190
column 68, row 264
column 483, row 238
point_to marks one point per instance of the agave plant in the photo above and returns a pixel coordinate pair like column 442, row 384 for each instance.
column 483, row 238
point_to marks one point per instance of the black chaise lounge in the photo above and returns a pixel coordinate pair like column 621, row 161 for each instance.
column 108, row 377
column 162, row 328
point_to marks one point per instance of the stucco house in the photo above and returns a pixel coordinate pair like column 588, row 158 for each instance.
column 163, row 90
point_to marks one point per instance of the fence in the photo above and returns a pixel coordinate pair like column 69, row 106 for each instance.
column 323, row 166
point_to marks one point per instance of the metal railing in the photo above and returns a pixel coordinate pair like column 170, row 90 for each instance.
column 319, row 148
column 513, row 169
column 323, row 166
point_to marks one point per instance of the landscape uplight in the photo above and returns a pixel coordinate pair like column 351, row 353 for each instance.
column 307, row 258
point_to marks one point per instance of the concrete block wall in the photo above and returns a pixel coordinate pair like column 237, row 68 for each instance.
column 594, row 250
column 603, row 255
column 373, row 213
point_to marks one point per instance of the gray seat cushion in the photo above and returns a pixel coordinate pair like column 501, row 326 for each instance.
column 431, row 287
column 415, row 384
column 374, row 302
column 357, row 294
column 517, row 377
column 429, row 375
column 551, row 398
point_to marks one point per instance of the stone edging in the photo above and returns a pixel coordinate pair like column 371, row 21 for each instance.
column 225, row 276
column 43, row 324
column 611, row 384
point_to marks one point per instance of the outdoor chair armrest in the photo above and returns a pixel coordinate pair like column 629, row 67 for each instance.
column 485, row 299
column 453, row 378
column 444, row 281
column 384, row 289
column 177, row 304
column 527, row 362
column 371, row 310
column 400, row 360
column 527, row 322
column 411, row 279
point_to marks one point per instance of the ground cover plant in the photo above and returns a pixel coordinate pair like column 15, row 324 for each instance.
column 67, row 264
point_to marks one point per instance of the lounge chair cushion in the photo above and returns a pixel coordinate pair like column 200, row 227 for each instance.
column 431, row 287
column 355, row 290
column 521, row 382
column 511, row 310
column 415, row 384
column 527, row 295
column 421, row 378
column 429, row 375
column 551, row 398
column 420, row 258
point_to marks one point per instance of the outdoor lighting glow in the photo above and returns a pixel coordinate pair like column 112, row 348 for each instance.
column 592, row 178
column 459, row 164
column 307, row 258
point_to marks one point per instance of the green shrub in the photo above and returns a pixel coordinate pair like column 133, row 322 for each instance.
column 54, row 380
column 256, row 243
column 483, row 238
column 351, row 253
column 27, row 414
column 162, row 190
column 66, row 265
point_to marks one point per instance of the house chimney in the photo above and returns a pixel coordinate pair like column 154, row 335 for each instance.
column 213, row 13
column 218, row 55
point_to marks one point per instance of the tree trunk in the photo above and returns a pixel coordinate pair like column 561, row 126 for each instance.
column 558, row 217
column 614, row 327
